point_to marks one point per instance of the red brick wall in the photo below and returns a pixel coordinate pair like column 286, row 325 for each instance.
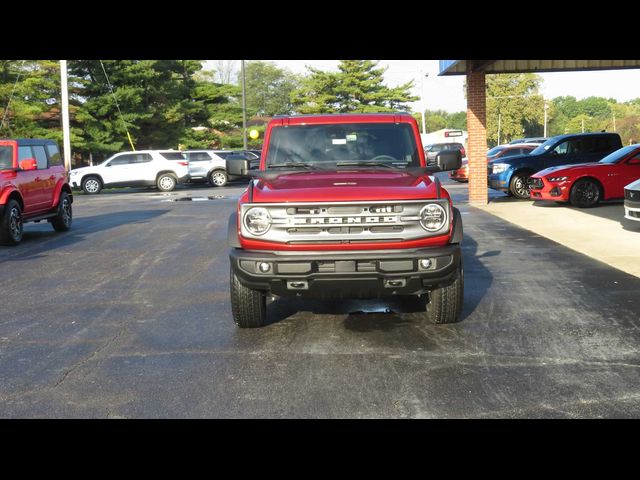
column 477, row 142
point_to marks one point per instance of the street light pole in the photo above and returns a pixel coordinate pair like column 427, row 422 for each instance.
column 244, row 107
column 499, row 122
column 424, row 103
column 66, row 138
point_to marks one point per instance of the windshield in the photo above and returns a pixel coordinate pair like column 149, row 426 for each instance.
column 618, row 155
column 543, row 147
column 6, row 157
column 495, row 150
column 350, row 144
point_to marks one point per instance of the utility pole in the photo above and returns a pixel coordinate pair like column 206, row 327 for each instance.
column 545, row 118
column 499, row 125
column 244, row 107
column 66, row 142
column 583, row 125
column 423, row 102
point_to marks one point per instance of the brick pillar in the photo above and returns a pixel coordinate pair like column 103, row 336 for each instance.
column 477, row 143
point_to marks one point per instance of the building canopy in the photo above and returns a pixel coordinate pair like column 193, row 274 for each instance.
column 460, row 67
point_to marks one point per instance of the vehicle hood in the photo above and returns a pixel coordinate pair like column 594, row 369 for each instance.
column 344, row 186
column 81, row 170
column 633, row 185
column 513, row 159
column 574, row 168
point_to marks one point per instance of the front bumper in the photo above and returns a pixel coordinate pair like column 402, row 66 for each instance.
column 556, row 191
column 632, row 210
column 347, row 275
column 498, row 181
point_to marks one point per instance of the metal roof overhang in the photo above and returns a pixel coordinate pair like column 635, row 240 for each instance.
column 460, row 67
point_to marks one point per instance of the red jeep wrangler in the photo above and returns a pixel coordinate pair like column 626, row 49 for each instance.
column 33, row 187
column 343, row 206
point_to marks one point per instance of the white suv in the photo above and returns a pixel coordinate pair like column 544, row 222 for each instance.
column 162, row 168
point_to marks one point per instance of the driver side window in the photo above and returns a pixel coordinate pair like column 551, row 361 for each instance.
column 562, row 148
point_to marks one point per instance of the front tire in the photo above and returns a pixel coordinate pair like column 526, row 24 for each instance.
column 62, row 221
column 445, row 303
column 585, row 193
column 249, row 307
column 519, row 186
column 91, row 185
column 166, row 182
column 11, row 225
column 218, row 178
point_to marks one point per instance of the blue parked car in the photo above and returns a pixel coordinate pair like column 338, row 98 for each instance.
column 511, row 174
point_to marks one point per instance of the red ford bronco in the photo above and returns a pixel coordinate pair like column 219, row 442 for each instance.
column 33, row 187
column 343, row 206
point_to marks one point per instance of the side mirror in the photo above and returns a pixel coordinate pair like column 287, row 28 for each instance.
column 28, row 164
column 237, row 167
column 449, row 160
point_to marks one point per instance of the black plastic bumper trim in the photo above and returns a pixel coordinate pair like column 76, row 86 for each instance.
column 359, row 274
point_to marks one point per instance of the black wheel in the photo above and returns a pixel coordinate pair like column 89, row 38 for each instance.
column 585, row 193
column 249, row 307
column 166, row 182
column 519, row 185
column 11, row 226
column 62, row 221
column 218, row 178
column 91, row 185
column 445, row 303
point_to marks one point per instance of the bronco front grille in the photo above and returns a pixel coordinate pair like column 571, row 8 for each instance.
column 342, row 222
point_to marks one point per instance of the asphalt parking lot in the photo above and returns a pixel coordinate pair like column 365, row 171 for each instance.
column 128, row 316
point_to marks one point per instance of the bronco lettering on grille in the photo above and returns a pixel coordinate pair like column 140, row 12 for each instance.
column 344, row 220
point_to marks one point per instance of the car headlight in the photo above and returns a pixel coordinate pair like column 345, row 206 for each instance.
column 257, row 220
column 557, row 179
column 433, row 216
column 500, row 167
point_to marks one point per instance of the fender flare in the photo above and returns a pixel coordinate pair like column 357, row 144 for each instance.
column 458, row 232
column 232, row 231
column 11, row 191
column 60, row 187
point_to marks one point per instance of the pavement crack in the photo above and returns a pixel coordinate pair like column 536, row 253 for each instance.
column 83, row 362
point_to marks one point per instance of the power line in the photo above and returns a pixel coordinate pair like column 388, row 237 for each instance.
column 117, row 106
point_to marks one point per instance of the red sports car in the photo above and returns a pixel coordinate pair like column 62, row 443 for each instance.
column 585, row 184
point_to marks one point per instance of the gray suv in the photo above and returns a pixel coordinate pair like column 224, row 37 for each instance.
column 432, row 150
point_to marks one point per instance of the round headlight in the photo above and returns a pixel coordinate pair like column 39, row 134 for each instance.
column 433, row 217
column 257, row 220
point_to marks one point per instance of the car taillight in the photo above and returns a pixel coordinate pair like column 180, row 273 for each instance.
column 464, row 154
column 186, row 164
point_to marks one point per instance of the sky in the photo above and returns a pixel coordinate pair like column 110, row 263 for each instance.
column 446, row 93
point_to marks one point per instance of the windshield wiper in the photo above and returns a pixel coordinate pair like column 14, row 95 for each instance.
column 365, row 164
column 294, row 165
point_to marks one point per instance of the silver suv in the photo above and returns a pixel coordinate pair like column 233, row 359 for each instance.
column 210, row 165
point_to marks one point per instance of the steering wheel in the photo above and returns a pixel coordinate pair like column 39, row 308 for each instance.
column 383, row 157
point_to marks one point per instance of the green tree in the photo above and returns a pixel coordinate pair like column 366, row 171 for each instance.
column 513, row 102
column 268, row 89
column 357, row 87
column 30, row 99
